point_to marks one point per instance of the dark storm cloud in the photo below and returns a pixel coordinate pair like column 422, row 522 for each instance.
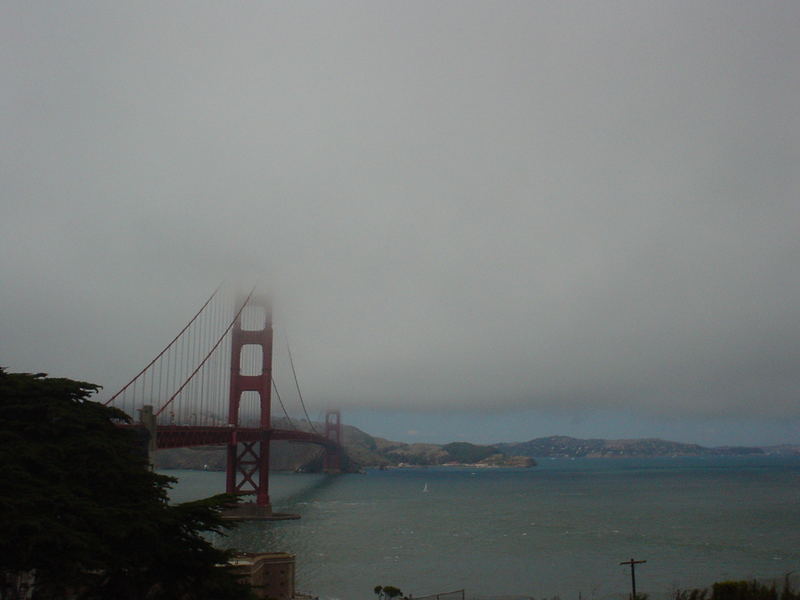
column 467, row 204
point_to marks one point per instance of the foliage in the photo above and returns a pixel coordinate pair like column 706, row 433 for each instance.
column 387, row 591
column 79, row 504
column 464, row 452
column 695, row 594
column 741, row 590
column 788, row 593
column 391, row 592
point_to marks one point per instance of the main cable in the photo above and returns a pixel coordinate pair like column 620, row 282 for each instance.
column 219, row 341
column 160, row 354
column 297, row 385
column 280, row 400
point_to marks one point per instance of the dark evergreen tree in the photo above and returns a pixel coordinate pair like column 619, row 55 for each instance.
column 81, row 510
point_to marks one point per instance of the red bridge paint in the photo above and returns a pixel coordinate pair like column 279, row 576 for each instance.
column 247, row 468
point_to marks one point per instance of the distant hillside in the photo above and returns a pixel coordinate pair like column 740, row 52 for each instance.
column 369, row 451
column 783, row 450
column 563, row 446
column 364, row 450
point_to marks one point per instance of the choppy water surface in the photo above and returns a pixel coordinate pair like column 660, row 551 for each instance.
column 558, row 529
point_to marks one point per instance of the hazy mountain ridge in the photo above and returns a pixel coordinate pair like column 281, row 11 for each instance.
column 367, row 451
column 569, row 447
column 371, row 451
column 363, row 450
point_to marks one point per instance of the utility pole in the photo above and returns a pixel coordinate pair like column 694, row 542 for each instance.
column 633, row 564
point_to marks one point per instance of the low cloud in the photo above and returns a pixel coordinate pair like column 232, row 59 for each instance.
column 527, row 206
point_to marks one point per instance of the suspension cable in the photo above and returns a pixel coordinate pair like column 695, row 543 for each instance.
column 297, row 385
column 210, row 352
column 280, row 400
column 160, row 354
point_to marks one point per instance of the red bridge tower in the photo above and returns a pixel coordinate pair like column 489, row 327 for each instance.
column 248, row 462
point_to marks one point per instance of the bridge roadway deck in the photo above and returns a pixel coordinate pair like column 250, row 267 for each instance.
column 184, row 436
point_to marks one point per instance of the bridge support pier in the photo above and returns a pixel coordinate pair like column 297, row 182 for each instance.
column 247, row 467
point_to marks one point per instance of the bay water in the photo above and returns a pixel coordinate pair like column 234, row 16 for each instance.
column 558, row 529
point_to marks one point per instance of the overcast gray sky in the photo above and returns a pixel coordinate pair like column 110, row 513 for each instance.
column 551, row 217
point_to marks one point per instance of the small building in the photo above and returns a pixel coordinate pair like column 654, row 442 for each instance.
column 270, row 574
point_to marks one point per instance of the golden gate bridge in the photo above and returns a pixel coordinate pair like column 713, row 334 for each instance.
column 212, row 385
